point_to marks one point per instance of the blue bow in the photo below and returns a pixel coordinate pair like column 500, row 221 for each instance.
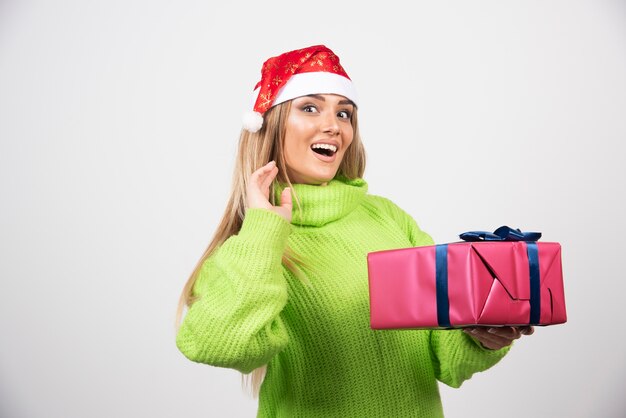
column 504, row 233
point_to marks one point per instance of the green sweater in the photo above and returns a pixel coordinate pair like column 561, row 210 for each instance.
column 322, row 357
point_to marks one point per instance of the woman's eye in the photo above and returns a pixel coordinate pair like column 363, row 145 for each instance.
column 309, row 109
column 344, row 114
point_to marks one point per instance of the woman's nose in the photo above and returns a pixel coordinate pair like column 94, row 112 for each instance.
column 330, row 124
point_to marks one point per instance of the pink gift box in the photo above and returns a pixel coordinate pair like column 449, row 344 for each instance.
column 465, row 284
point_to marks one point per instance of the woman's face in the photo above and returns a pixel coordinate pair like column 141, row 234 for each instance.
column 317, row 135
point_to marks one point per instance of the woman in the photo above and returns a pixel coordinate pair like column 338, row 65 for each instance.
column 282, row 289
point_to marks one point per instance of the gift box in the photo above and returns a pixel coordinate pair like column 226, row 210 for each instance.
column 487, row 281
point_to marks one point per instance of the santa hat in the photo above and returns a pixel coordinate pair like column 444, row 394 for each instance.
column 312, row 70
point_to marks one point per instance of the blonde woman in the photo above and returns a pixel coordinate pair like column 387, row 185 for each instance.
column 281, row 292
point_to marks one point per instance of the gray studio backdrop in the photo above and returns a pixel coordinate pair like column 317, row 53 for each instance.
column 118, row 128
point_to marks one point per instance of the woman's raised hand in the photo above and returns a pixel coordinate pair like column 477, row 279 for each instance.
column 258, row 192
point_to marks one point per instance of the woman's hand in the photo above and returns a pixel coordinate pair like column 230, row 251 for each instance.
column 258, row 192
column 496, row 338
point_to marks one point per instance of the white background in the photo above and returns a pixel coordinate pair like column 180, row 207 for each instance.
column 118, row 127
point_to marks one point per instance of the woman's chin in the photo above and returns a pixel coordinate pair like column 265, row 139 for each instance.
column 314, row 179
column 323, row 180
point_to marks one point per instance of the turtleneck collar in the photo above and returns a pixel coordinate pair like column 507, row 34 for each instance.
column 320, row 205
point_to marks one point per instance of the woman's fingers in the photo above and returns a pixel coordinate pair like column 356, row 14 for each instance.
column 260, row 175
column 528, row 330
column 268, row 179
column 286, row 205
column 257, row 196
column 497, row 337
column 511, row 333
column 258, row 191
column 487, row 339
column 285, row 199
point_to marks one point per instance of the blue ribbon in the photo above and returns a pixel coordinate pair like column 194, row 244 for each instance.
column 504, row 233
column 535, row 284
column 441, row 282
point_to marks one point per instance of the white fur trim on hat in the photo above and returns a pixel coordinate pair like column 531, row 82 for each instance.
column 303, row 84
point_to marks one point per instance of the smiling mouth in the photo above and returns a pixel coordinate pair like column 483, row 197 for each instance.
column 327, row 150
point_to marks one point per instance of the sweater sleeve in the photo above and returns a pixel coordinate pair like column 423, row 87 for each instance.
column 235, row 321
column 456, row 356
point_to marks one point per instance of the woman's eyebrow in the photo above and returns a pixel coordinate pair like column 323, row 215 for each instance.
column 323, row 99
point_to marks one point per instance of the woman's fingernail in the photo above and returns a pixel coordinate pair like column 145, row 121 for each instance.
column 492, row 330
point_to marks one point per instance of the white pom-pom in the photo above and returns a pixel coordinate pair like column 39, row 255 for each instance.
column 252, row 121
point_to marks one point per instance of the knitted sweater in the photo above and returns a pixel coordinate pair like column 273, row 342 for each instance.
column 313, row 333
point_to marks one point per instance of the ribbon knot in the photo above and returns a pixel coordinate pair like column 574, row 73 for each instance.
column 504, row 233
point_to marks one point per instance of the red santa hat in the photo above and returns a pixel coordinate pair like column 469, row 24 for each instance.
column 312, row 70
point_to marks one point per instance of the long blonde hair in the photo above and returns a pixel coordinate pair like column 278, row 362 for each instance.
column 256, row 150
